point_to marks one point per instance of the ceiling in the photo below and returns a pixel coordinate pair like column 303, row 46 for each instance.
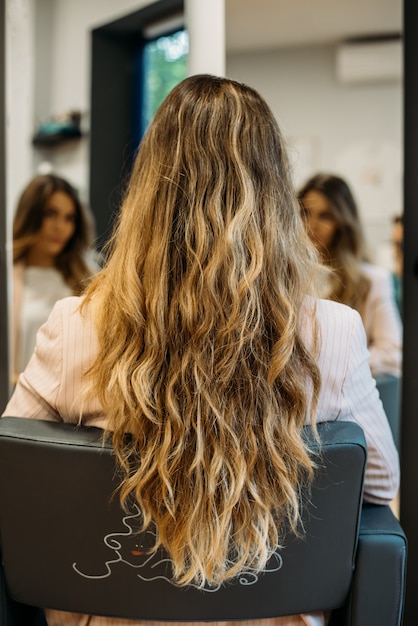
column 264, row 24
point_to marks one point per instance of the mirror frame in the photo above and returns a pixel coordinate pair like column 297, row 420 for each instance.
column 4, row 269
column 409, row 434
column 409, row 422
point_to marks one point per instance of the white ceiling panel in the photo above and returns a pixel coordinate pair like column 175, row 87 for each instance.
column 264, row 24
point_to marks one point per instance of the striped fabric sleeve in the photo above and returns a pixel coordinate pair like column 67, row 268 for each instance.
column 360, row 403
column 38, row 386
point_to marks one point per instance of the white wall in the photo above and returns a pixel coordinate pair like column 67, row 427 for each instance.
column 354, row 131
column 20, row 85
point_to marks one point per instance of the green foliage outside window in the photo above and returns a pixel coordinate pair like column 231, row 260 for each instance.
column 165, row 65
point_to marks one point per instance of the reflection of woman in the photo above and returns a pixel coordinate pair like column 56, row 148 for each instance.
column 333, row 224
column 198, row 338
column 50, row 238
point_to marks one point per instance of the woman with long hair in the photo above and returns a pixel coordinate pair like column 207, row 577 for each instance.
column 333, row 224
column 202, row 338
column 51, row 238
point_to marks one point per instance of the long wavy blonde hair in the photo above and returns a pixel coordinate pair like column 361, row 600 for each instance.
column 348, row 282
column 198, row 319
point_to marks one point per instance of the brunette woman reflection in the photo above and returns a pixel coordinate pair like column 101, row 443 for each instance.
column 333, row 224
column 51, row 237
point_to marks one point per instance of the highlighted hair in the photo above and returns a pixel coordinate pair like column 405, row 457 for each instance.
column 198, row 314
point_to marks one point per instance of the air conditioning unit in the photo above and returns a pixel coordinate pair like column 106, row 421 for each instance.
column 370, row 61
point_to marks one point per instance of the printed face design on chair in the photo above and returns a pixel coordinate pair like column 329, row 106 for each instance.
column 135, row 550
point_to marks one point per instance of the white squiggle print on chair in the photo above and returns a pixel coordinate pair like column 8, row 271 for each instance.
column 138, row 557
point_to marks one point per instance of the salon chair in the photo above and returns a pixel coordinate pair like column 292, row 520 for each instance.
column 67, row 544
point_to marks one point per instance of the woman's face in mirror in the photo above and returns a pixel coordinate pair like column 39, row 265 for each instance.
column 319, row 219
column 58, row 226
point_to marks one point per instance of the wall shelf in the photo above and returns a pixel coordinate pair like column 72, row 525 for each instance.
column 52, row 140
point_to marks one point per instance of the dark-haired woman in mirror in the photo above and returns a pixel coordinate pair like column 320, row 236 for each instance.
column 51, row 242
column 333, row 224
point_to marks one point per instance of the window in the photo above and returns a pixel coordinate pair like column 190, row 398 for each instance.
column 164, row 63
column 121, row 88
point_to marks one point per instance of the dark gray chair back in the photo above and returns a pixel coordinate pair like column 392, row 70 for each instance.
column 67, row 544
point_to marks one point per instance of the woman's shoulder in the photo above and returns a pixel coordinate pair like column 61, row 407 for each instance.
column 72, row 324
column 328, row 311
column 340, row 340
column 72, row 307
column 336, row 324
column 70, row 304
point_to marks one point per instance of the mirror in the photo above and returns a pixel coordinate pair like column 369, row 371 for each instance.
column 289, row 51
column 334, row 80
